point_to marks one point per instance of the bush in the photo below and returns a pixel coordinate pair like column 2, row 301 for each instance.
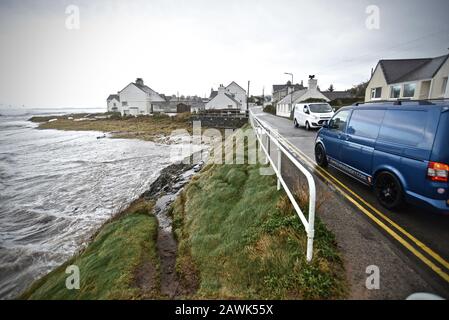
column 115, row 115
column 270, row 109
column 345, row 102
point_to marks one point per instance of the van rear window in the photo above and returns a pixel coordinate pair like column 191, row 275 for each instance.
column 366, row 123
column 404, row 126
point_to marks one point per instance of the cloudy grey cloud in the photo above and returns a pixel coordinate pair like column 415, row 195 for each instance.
column 190, row 46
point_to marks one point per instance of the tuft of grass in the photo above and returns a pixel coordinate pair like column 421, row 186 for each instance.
column 109, row 266
column 243, row 240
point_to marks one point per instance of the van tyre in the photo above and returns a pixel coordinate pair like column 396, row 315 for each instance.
column 389, row 191
column 296, row 123
column 320, row 155
column 307, row 126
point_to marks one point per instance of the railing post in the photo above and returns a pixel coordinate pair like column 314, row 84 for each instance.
column 279, row 167
column 268, row 144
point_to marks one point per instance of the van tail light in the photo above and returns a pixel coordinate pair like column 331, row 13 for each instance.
column 438, row 171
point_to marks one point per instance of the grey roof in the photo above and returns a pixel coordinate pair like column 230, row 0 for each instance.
column 144, row 88
column 334, row 95
column 279, row 87
column 396, row 71
column 292, row 97
column 113, row 96
column 213, row 94
column 232, row 98
column 236, row 84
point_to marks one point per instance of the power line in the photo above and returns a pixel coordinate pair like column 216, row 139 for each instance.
column 367, row 55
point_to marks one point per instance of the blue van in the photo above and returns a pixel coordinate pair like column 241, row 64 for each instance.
column 401, row 149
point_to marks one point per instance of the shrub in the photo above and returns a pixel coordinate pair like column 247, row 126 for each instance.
column 270, row 109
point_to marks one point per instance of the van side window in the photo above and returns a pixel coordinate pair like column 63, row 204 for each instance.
column 404, row 126
column 339, row 121
column 366, row 123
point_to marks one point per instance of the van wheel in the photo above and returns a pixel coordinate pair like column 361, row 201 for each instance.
column 320, row 155
column 296, row 123
column 307, row 126
column 389, row 190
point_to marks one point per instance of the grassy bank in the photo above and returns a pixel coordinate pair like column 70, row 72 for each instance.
column 120, row 263
column 240, row 238
column 143, row 127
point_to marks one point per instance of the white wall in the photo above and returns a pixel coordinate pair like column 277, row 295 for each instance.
column 438, row 82
column 377, row 80
column 111, row 105
column 282, row 110
column 239, row 94
column 221, row 101
column 135, row 98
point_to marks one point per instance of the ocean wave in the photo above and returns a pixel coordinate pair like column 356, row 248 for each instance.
column 57, row 188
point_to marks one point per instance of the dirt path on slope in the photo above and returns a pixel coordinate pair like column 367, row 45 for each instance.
column 164, row 191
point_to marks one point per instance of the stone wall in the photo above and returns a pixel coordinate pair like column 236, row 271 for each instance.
column 221, row 122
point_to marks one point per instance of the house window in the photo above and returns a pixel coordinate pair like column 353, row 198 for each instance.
column 376, row 93
column 124, row 103
column 115, row 104
column 395, row 92
column 409, row 90
column 444, row 86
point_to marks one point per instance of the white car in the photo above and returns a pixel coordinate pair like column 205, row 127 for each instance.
column 312, row 115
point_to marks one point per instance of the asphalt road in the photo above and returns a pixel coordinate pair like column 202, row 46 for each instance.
column 426, row 227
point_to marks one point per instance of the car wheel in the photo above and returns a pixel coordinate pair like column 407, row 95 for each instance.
column 320, row 155
column 389, row 190
column 296, row 123
column 307, row 126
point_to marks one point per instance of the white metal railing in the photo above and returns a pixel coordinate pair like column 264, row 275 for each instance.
column 262, row 129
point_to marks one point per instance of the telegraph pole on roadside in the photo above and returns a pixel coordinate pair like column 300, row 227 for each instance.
column 247, row 99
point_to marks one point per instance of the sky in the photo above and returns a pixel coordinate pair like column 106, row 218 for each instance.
column 189, row 47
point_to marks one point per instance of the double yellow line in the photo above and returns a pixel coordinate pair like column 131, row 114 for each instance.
column 377, row 216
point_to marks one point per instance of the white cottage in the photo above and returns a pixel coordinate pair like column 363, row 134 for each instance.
column 138, row 99
column 223, row 100
column 238, row 93
column 284, row 107
column 113, row 102
column 231, row 97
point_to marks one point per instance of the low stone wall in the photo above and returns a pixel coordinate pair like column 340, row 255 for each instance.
column 221, row 122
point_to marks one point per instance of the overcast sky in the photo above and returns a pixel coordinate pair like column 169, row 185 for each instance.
column 191, row 46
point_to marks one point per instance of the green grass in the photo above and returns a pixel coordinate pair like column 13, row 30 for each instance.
column 243, row 240
column 109, row 265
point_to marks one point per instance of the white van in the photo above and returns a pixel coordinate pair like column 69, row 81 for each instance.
column 312, row 115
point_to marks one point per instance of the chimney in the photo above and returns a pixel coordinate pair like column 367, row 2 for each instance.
column 221, row 89
column 313, row 84
column 139, row 81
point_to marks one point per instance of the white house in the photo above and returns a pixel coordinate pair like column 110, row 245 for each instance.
column 414, row 79
column 284, row 107
column 223, row 99
column 238, row 93
column 137, row 99
column 230, row 97
column 113, row 102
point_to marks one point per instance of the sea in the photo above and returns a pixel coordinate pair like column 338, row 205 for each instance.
column 58, row 187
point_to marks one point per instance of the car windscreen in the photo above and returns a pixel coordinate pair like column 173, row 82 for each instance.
column 320, row 108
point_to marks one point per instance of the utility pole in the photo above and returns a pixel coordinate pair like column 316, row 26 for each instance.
column 247, row 98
